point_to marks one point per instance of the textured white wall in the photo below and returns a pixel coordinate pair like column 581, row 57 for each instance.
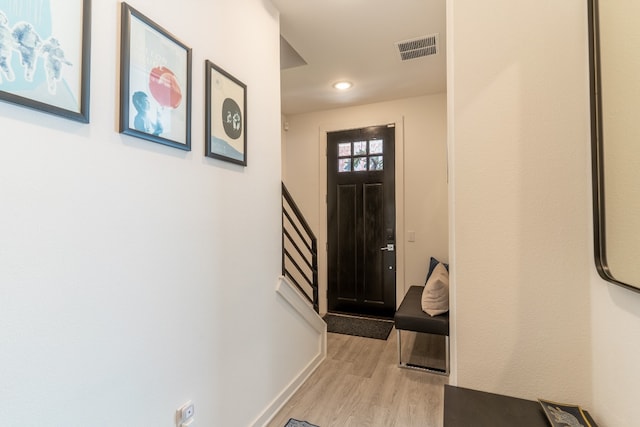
column 134, row 276
column 521, row 247
column 422, row 206
column 616, row 345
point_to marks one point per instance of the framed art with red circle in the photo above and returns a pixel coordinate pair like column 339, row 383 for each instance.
column 155, row 82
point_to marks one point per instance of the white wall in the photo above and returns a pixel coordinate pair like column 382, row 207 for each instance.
column 420, row 164
column 521, row 243
column 134, row 276
column 615, row 347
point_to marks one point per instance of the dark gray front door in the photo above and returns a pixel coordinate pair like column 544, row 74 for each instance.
column 361, row 221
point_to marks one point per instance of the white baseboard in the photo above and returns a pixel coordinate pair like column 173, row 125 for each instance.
column 293, row 296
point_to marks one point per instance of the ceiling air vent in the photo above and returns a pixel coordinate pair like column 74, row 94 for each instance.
column 418, row 47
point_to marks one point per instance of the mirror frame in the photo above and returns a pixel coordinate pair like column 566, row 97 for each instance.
column 597, row 152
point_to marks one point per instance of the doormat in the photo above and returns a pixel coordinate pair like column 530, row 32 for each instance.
column 296, row 423
column 358, row 326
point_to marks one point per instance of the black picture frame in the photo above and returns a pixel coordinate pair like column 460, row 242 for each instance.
column 226, row 116
column 155, row 82
column 48, row 67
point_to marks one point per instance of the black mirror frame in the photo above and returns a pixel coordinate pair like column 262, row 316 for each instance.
column 597, row 157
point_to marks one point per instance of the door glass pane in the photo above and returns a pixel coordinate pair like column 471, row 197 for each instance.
column 344, row 165
column 375, row 146
column 359, row 164
column 359, row 148
column 375, row 163
column 344, row 149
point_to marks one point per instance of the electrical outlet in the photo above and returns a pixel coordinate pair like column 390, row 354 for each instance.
column 188, row 412
column 184, row 414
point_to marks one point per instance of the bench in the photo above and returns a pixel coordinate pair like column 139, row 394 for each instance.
column 410, row 317
column 466, row 407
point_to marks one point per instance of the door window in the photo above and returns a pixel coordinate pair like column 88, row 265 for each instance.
column 361, row 156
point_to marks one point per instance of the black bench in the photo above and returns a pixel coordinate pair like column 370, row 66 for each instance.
column 410, row 317
column 466, row 407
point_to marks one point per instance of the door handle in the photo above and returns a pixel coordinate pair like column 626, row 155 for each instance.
column 390, row 247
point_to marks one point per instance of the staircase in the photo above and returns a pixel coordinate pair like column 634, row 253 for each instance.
column 298, row 287
column 299, row 250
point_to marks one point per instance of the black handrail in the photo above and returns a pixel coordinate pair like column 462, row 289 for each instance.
column 298, row 236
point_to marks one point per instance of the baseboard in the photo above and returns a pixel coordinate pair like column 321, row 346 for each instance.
column 291, row 294
column 287, row 393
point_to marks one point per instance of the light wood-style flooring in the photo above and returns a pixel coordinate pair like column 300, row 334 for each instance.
column 360, row 384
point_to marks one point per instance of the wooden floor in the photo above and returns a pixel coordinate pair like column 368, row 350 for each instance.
column 360, row 384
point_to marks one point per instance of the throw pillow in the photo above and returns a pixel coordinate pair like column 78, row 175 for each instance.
column 432, row 264
column 435, row 296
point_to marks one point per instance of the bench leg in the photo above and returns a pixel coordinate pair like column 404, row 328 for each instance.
column 399, row 347
column 424, row 368
column 448, row 367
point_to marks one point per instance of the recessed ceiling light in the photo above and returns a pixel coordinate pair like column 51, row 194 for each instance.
column 342, row 85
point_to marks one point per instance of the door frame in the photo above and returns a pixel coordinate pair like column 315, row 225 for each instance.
column 322, row 201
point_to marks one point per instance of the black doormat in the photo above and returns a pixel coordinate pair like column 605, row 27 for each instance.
column 296, row 423
column 358, row 326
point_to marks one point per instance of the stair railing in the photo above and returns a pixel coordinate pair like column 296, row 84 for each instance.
column 299, row 250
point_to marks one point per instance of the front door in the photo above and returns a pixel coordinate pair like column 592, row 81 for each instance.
column 361, row 219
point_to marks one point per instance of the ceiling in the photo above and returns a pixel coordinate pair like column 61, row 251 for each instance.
column 355, row 40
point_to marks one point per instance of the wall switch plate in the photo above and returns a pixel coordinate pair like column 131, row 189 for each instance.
column 411, row 236
column 184, row 413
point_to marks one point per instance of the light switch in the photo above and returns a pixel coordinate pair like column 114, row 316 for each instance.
column 411, row 236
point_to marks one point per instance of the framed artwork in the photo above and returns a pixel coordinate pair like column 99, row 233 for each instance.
column 155, row 82
column 226, row 116
column 562, row 414
column 45, row 48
